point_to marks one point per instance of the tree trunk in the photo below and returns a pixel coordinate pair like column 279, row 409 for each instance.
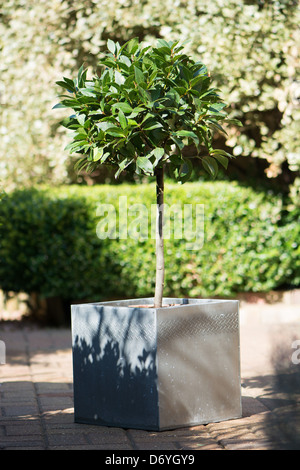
column 160, row 262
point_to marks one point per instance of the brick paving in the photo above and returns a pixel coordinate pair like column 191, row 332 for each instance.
column 36, row 397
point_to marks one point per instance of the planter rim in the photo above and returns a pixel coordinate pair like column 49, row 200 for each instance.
column 168, row 303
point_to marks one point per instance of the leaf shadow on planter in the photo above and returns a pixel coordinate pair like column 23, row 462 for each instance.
column 115, row 375
column 155, row 370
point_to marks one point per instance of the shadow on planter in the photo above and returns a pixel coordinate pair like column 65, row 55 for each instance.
column 114, row 379
column 156, row 369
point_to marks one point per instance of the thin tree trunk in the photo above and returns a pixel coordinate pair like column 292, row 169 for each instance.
column 160, row 262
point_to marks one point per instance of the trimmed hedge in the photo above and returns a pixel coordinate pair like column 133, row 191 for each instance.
column 49, row 243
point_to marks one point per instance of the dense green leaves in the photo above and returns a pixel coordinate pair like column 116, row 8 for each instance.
column 49, row 243
column 144, row 105
column 251, row 48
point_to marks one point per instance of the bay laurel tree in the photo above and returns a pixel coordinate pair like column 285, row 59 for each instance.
column 140, row 110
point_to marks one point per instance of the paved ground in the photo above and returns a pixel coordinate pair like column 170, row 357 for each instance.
column 36, row 397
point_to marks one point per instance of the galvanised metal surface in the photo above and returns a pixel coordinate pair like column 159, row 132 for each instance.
column 156, row 368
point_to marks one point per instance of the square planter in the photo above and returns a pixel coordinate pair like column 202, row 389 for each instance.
column 156, row 368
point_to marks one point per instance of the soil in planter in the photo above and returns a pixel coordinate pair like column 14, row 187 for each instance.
column 151, row 306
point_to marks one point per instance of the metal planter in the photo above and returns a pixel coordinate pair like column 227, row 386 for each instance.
column 156, row 368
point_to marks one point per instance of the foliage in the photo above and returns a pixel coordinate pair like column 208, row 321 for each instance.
column 142, row 108
column 49, row 243
column 145, row 105
column 251, row 47
column 46, row 244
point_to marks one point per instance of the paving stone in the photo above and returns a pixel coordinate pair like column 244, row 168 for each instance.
column 65, row 439
column 198, row 445
column 251, row 406
column 24, row 411
column 36, row 400
column 107, row 436
column 21, row 441
column 155, row 446
column 20, row 429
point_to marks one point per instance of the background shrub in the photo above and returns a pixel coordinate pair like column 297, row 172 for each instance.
column 49, row 243
column 250, row 47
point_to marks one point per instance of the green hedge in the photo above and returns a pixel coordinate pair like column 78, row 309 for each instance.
column 49, row 243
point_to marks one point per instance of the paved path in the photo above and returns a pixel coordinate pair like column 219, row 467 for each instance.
column 36, row 397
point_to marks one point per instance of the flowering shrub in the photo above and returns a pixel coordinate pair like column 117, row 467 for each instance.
column 252, row 47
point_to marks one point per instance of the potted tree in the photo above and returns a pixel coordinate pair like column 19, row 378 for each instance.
column 151, row 363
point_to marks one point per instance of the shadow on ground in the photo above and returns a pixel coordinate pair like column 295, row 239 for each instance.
column 279, row 393
column 283, row 425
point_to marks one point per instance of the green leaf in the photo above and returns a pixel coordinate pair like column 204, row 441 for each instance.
column 125, row 107
column 176, row 160
column 80, row 164
column 152, row 125
column 59, row 105
column 70, row 82
column 221, row 156
column 125, row 60
column 74, row 147
column 97, row 153
column 80, row 136
column 124, row 164
column 131, row 149
column 217, row 107
column 139, row 76
column 69, row 123
column 144, row 95
column 188, row 134
column 145, row 165
column 185, row 171
column 237, row 122
column 88, row 92
column 119, row 78
column 171, row 99
column 65, row 85
column 104, row 125
column 136, row 111
column 132, row 45
column 163, row 43
column 122, row 119
column 111, row 46
column 81, row 76
column 163, row 50
column 158, row 153
column 195, row 82
column 81, row 119
column 115, row 132
column 105, row 156
column 216, row 126
column 223, row 160
column 210, row 165
column 215, row 152
column 178, row 142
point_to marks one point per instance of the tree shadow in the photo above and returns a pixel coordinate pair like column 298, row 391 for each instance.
column 279, row 393
column 115, row 381
column 283, row 424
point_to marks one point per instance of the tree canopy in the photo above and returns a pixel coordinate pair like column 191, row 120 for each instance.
column 142, row 108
